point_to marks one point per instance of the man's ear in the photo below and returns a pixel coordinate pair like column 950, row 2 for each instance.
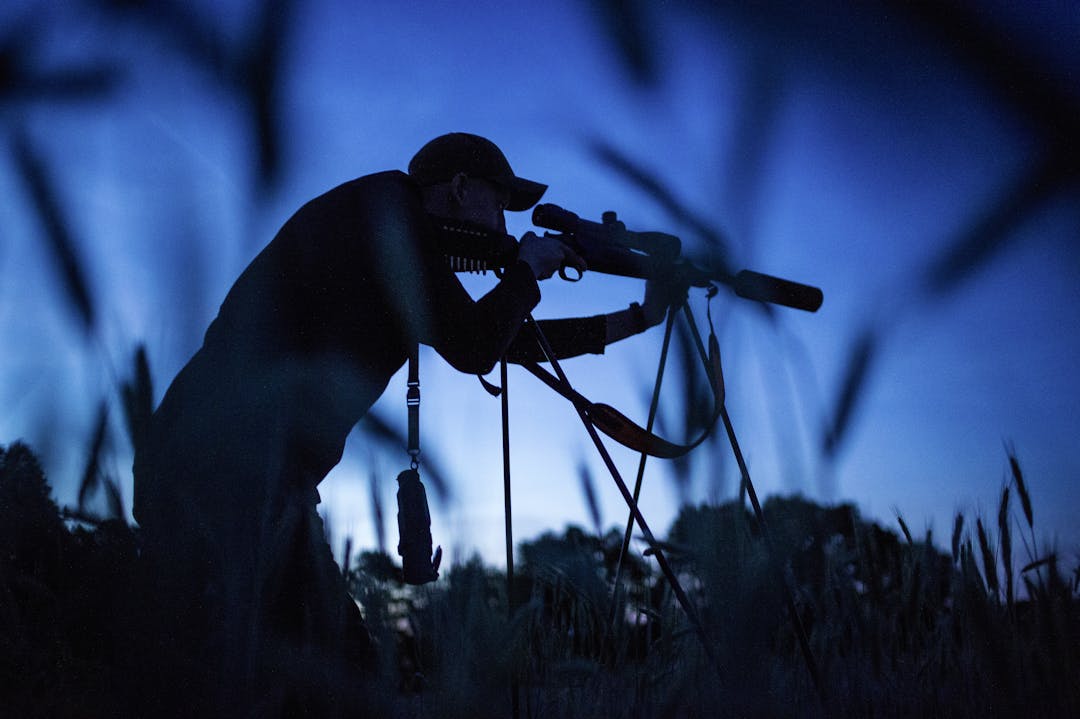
column 458, row 189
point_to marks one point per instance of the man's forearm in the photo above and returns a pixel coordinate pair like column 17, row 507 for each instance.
column 625, row 323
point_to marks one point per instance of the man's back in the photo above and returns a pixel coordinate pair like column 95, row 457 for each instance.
column 309, row 336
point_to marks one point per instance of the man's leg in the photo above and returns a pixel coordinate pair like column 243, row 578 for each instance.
column 313, row 630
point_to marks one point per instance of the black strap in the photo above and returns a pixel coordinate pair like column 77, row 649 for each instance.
column 414, row 521
column 412, row 400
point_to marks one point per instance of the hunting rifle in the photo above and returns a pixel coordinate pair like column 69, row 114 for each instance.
column 608, row 247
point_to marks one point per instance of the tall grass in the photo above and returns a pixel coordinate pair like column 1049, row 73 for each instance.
column 899, row 628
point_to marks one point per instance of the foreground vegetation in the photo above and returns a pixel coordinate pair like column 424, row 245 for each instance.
column 896, row 627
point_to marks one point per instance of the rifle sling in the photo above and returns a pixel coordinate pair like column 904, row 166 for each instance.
column 618, row 426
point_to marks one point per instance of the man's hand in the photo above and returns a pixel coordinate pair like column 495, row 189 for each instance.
column 545, row 255
column 661, row 293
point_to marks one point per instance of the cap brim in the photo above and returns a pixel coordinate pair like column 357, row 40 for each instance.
column 523, row 193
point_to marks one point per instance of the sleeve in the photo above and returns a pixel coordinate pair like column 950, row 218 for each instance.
column 568, row 338
column 473, row 335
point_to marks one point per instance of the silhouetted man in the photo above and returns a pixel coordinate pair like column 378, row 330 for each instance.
column 304, row 343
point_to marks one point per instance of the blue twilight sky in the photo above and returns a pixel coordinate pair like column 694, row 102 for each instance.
column 846, row 147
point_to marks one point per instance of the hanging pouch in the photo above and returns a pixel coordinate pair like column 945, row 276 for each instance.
column 414, row 530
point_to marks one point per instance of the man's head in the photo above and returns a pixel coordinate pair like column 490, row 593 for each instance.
column 467, row 177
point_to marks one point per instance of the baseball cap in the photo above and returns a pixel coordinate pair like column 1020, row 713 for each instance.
column 445, row 156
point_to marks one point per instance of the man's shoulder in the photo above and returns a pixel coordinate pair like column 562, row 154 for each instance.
column 388, row 181
column 363, row 199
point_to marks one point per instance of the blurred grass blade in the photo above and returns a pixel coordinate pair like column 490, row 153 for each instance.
column 760, row 101
column 76, row 84
column 1021, row 488
column 626, row 24
column 346, row 557
column 183, row 27
column 991, row 232
column 989, row 563
column 1006, row 543
column 138, row 398
column 327, row 529
column 20, row 80
column 958, row 528
column 254, row 71
column 969, row 568
column 1042, row 93
column 114, row 502
column 588, row 488
column 1049, row 559
column 859, row 361
column 260, row 79
column 904, row 527
column 377, row 508
column 719, row 247
column 91, row 478
column 57, row 231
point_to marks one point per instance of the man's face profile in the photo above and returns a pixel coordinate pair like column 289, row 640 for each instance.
column 478, row 200
column 486, row 204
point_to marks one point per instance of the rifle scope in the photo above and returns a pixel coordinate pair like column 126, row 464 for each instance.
column 609, row 247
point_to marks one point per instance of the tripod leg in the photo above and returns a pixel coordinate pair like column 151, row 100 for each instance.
column 658, row 552
column 774, row 557
column 514, row 690
column 653, row 406
column 661, row 559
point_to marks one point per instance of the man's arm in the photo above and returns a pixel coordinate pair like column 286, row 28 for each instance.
column 626, row 323
column 473, row 335
column 660, row 294
column 572, row 337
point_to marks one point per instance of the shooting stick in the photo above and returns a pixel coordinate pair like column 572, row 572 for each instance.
column 514, row 698
column 612, row 249
column 774, row 557
column 669, row 574
column 654, row 405
column 711, row 360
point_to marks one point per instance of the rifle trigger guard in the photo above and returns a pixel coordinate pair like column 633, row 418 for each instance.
column 564, row 272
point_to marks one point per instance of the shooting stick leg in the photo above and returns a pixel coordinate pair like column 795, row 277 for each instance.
column 774, row 557
column 653, row 406
column 511, row 605
column 669, row 574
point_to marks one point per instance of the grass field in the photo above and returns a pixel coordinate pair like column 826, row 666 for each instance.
column 897, row 627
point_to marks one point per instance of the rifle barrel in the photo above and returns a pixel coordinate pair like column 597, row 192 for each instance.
column 766, row 288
